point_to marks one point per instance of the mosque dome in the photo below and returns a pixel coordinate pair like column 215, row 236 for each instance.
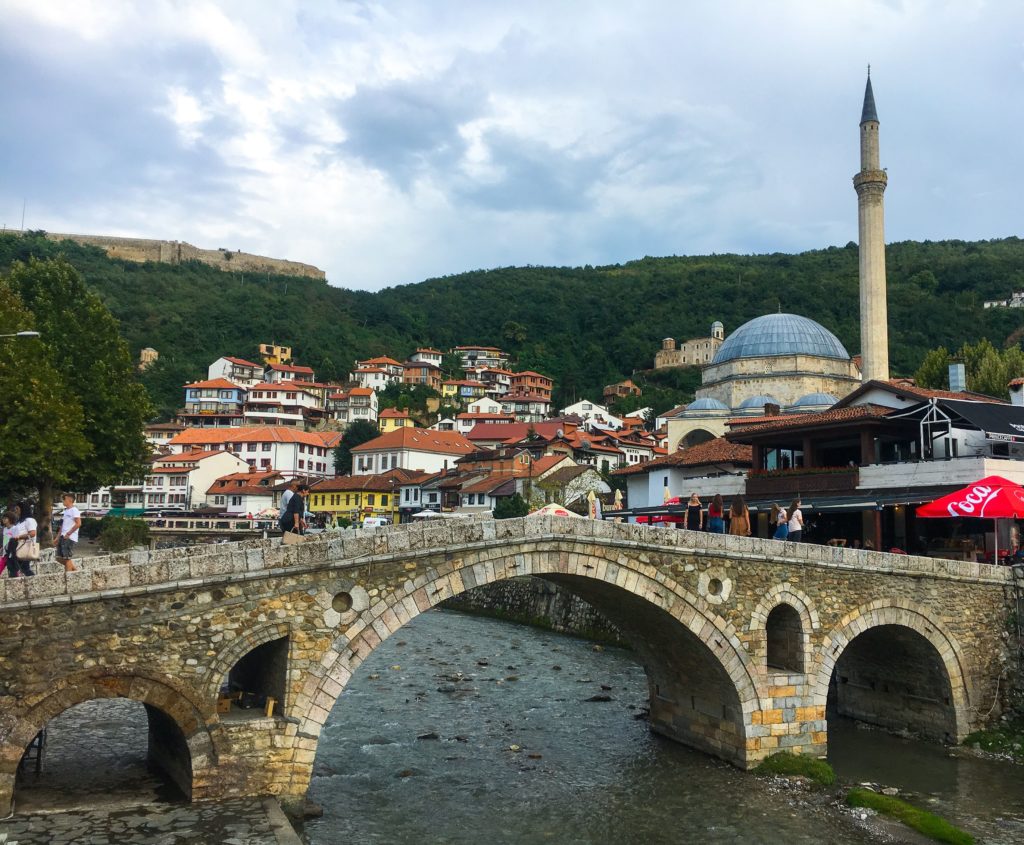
column 706, row 404
column 758, row 402
column 780, row 334
column 814, row 399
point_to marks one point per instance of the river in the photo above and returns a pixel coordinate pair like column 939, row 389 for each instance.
column 466, row 730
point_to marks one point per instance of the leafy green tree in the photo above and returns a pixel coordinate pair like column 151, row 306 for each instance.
column 41, row 420
column 934, row 370
column 357, row 433
column 510, row 507
column 989, row 370
column 82, row 342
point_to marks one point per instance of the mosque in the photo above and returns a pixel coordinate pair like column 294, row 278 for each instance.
column 787, row 363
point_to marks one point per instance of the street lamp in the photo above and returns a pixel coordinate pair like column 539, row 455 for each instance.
column 28, row 335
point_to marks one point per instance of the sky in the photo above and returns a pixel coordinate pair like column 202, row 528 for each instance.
column 390, row 142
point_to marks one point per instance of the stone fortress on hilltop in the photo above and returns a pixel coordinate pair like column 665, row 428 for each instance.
column 175, row 252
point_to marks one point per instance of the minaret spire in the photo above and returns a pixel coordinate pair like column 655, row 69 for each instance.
column 870, row 185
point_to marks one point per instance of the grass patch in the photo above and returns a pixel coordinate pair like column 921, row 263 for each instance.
column 785, row 763
column 1006, row 739
column 920, row 820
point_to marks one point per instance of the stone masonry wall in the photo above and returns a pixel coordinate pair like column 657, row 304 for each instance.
column 537, row 602
column 174, row 252
column 165, row 627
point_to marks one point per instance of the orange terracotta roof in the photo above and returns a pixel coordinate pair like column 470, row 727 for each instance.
column 289, row 368
column 247, row 483
column 465, row 382
column 524, row 397
column 532, row 373
column 428, row 349
column 381, row 359
column 189, row 456
column 420, row 440
column 248, row 434
column 393, row 414
column 717, row 451
column 292, row 386
column 384, row 482
column 242, row 362
column 480, row 348
column 170, row 470
column 219, row 383
column 542, row 465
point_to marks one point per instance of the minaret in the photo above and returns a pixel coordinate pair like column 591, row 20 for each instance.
column 870, row 186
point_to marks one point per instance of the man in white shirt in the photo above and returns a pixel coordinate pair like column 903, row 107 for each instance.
column 70, row 522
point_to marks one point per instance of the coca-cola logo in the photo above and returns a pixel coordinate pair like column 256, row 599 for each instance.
column 974, row 502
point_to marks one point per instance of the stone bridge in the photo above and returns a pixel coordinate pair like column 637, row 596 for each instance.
column 745, row 641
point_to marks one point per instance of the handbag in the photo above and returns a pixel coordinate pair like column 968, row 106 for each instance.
column 28, row 549
column 291, row 538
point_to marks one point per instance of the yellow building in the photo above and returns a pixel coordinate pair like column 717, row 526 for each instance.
column 355, row 497
column 391, row 419
column 274, row 354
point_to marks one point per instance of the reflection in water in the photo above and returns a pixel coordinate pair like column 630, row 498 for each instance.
column 511, row 751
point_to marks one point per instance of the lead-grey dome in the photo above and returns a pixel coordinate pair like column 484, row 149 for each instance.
column 815, row 399
column 707, row 404
column 780, row 334
column 759, row 401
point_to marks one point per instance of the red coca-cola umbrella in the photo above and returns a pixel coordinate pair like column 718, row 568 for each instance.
column 992, row 498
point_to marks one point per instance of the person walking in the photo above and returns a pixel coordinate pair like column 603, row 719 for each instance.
column 25, row 529
column 70, row 522
column 716, row 515
column 10, row 545
column 286, row 497
column 796, row 521
column 781, row 522
column 694, row 513
column 739, row 517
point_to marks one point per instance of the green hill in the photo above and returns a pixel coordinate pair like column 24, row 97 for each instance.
column 584, row 326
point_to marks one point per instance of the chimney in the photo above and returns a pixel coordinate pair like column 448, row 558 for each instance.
column 957, row 378
column 1017, row 391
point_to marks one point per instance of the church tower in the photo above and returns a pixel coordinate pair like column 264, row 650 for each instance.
column 870, row 186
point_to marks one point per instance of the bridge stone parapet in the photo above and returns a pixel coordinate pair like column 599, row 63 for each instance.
column 744, row 640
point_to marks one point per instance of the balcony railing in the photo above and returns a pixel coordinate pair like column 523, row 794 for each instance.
column 802, row 481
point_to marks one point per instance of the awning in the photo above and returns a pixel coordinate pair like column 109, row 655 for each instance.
column 999, row 422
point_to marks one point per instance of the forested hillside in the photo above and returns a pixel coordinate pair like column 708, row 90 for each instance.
column 585, row 326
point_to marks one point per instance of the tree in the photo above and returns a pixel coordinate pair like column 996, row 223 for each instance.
column 81, row 340
column 357, row 433
column 510, row 507
column 40, row 421
column 934, row 369
column 989, row 370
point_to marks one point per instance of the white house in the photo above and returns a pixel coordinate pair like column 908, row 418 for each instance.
column 418, row 449
column 180, row 481
column 236, row 370
column 594, row 415
column 426, row 355
column 243, row 493
column 526, row 407
column 374, row 378
column 277, row 373
column 282, row 403
column 485, row 405
column 356, row 403
column 285, row 448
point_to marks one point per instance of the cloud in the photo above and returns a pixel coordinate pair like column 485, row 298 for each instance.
column 390, row 142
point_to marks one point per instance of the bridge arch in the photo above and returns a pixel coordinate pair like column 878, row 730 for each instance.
column 170, row 707
column 784, row 594
column 687, row 633
column 911, row 632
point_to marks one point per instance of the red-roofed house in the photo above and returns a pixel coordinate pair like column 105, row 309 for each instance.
column 356, row 403
column 213, row 403
column 526, row 407
column 243, row 493
column 288, row 402
column 421, row 372
column 530, row 382
column 180, row 482
column 236, row 370
column 294, row 452
column 277, row 373
column 391, row 418
column 422, row 450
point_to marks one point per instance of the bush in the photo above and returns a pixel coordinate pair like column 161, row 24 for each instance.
column 785, row 763
column 922, row 821
column 510, row 507
column 117, row 534
column 90, row 528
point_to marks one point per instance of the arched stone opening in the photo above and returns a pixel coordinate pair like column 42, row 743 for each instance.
column 701, row 680
column 256, row 684
column 784, row 637
column 106, row 749
column 893, row 677
column 176, row 742
column 696, row 437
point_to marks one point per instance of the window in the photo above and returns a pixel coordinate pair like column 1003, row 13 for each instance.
column 236, row 501
column 302, row 464
column 383, row 500
column 265, row 463
column 250, row 447
column 265, row 447
column 371, row 499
